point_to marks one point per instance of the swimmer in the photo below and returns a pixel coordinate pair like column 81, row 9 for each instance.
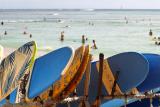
column 86, row 39
column 126, row 21
column 94, row 45
column 59, row 20
column 62, row 36
column 156, row 43
column 2, row 23
column 67, row 26
column 24, row 32
column 83, row 39
column 5, row 33
column 125, row 18
column 30, row 35
column 150, row 33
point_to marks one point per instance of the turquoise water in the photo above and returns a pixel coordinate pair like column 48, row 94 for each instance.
column 110, row 30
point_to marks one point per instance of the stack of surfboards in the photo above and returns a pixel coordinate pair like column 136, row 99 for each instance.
column 138, row 71
column 60, row 70
column 133, row 69
column 57, row 74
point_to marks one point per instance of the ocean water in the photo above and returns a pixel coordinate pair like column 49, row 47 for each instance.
column 107, row 27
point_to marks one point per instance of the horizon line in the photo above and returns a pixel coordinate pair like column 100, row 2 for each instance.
column 79, row 9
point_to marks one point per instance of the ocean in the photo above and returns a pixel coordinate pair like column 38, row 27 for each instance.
column 114, row 31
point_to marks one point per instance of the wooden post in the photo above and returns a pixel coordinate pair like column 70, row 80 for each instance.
column 101, row 59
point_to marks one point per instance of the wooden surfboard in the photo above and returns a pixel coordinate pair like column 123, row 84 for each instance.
column 61, row 72
column 129, row 64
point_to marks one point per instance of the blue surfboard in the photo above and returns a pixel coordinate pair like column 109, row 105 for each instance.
column 145, row 102
column 50, row 68
column 12, row 98
column 152, row 81
column 133, row 69
column 47, row 69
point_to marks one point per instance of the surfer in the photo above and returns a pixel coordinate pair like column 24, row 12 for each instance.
column 94, row 45
column 150, row 33
column 62, row 36
column 83, row 39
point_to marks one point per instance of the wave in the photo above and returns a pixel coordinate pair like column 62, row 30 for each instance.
column 88, row 9
column 30, row 20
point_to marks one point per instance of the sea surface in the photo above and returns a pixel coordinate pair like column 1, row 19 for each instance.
column 114, row 31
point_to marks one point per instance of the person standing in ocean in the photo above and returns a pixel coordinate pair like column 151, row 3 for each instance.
column 94, row 45
column 5, row 33
column 30, row 35
column 2, row 23
column 83, row 39
column 150, row 33
column 62, row 36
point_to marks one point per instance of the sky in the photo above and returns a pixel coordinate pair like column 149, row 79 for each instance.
column 79, row 4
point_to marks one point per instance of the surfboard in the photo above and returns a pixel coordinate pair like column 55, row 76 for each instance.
column 78, row 56
column 12, row 98
column 60, row 68
column 14, row 66
column 1, row 53
column 78, row 77
column 152, row 80
column 129, row 64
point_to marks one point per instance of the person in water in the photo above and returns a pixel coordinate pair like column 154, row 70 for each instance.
column 24, row 32
column 86, row 39
column 83, row 39
column 5, row 33
column 62, row 36
column 2, row 23
column 94, row 45
column 150, row 33
column 30, row 35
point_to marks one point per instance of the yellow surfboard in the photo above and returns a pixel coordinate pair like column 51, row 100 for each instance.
column 66, row 77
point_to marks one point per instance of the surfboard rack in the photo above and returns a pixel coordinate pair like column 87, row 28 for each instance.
column 84, row 99
column 97, row 102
